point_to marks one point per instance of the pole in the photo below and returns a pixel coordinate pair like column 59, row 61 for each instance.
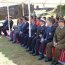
column 29, row 18
column 23, row 8
column 8, row 18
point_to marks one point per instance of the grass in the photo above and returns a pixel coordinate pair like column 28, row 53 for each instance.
column 18, row 54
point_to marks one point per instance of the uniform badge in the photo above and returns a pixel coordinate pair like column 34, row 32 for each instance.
column 49, row 33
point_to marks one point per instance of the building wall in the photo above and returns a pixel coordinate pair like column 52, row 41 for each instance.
column 15, row 11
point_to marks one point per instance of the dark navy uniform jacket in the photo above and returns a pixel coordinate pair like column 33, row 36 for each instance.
column 24, row 28
column 49, row 33
column 5, row 24
column 41, row 30
column 33, row 29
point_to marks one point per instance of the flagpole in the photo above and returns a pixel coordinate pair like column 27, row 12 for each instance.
column 29, row 18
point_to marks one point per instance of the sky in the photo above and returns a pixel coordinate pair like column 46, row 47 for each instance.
column 49, row 3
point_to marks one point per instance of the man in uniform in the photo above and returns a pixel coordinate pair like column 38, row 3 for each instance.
column 24, row 30
column 48, row 37
column 33, row 31
column 39, row 34
column 58, row 42
column 5, row 25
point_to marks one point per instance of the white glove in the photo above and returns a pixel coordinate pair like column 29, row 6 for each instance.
column 40, row 35
column 55, row 44
column 12, row 29
column 42, row 39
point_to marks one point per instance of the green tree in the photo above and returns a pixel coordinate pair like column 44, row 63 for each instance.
column 62, row 12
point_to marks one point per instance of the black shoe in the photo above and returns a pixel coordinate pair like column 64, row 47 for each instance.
column 35, row 54
column 41, row 58
column 48, row 59
column 28, row 50
column 26, row 47
column 54, row 62
column 32, row 52
column 59, row 64
column 21, row 45
column 14, row 42
column 10, row 40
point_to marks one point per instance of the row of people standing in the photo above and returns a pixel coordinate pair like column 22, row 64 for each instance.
column 41, row 36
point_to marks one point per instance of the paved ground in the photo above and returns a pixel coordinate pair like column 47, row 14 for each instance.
column 16, row 54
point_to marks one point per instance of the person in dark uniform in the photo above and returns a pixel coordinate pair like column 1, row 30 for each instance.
column 40, row 32
column 48, row 37
column 24, row 31
column 5, row 25
column 58, row 42
column 26, row 37
column 33, row 31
